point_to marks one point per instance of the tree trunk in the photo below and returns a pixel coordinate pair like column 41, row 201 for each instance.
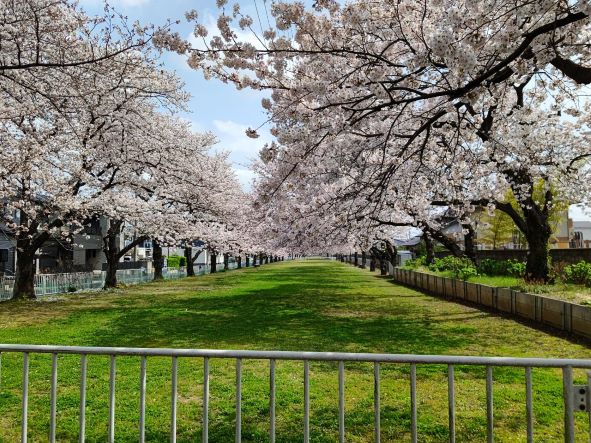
column 239, row 261
column 214, row 259
column 383, row 267
column 363, row 260
column 534, row 223
column 158, row 260
column 537, row 268
column 226, row 261
column 189, row 260
column 469, row 244
column 356, row 259
column 247, row 260
column 260, row 259
column 24, row 279
column 390, row 252
column 372, row 263
column 112, row 252
column 26, row 247
column 111, row 274
column 430, row 248
column 111, row 249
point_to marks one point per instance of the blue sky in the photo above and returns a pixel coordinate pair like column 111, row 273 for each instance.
column 215, row 106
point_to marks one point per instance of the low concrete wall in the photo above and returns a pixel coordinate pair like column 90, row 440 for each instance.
column 559, row 314
column 566, row 256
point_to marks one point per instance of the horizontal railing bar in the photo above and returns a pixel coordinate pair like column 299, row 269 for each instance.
column 291, row 355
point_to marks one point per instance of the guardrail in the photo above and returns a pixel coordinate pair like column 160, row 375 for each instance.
column 574, row 398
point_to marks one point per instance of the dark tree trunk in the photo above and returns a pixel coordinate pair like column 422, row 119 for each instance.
column 158, row 260
column 372, row 263
column 537, row 268
column 429, row 247
column 260, row 259
column 239, row 261
column 226, row 261
column 383, row 267
column 24, row 279
column 247, row 260
column 214, row 259
column 111, row 274
column 363, row 260
column 535, row 224
column 110, row 248
column 391, row 253
column 266, row 259
column 469, row 244
column 189, row 260
column 356, row 259
column 112, row 252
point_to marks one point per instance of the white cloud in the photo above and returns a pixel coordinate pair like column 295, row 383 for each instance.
column 245, row 177
column 579, row 212
column 233, row 139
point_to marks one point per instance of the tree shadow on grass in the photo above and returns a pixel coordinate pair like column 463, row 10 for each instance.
column 277, row 319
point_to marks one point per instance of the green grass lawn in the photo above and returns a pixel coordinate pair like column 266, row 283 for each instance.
column 305, row 305
column 563, row 291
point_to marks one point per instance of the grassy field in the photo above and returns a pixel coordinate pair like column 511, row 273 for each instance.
column 560, row 290
column 304, row 305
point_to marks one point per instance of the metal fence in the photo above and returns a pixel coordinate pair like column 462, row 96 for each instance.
column 574, row 398
column 50, row 284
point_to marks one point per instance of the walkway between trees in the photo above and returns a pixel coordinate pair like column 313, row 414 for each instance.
column 301, row 306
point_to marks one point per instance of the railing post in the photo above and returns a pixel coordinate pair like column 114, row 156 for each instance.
column 25, row 406
column 53, row 398
column 451, row 399
column 272, row 400
column 341, row 402
column 376, row 402
column 205, row 436
column 489, row 405
column 238, row 400
column 569, row 413
column 413, row 403
column 143, row 399
column 529, row 411
column 173, row 400
column 306, row 401
column 82, row 398
column 112, row 400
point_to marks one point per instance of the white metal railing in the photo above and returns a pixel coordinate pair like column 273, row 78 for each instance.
column 574, row 398
column 50, row 284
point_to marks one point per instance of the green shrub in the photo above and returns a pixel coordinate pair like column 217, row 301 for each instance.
column 183, row 261
column 513, row 268
column 461, row 268
column 174, row 261
column 579, row 273
column 416, row 263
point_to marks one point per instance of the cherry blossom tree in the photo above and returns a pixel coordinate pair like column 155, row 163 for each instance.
column 396, row 108
column 66, row 140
